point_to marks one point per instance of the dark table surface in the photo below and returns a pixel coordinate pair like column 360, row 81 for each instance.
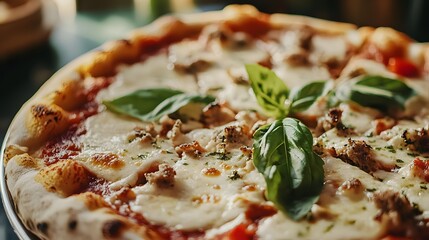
column 78, row 32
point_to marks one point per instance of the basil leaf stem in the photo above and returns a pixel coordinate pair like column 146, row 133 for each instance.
column 283, row 153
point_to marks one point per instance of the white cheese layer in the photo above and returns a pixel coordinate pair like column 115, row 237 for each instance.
column 352, row 218
column 217, row 202
column 219, row 196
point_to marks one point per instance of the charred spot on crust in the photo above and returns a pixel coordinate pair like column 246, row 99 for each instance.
column 113, row 228
column 125, row 42
column 43, row 227
column 72, row 225
column 40, row 110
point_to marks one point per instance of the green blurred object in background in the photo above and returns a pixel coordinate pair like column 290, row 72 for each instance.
column 159, row 8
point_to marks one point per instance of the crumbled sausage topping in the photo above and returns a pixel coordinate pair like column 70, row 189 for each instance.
column 417, row 139
column 144, row 135
column 176, row 135
column 298, row 58
column 193, row 149
column 191, row 67
column 166, row 125
column 216, row 114
column 231, row 136
column 353, row 188
column 400, row 215
column 246, row 151
column 333, row 120
column 162, row 178
column 358, row 153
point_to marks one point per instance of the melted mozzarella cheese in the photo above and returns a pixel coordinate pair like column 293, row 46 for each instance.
column 218, row 203
column 109, row 133
column 298, row 76
column 216, row 200
column 294, row 76
column 354, row 218
column 152, row 73
column 390, row 149
column 329, row 48
column 219, row 197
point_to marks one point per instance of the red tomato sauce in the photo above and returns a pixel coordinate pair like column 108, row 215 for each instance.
column 421, row 168
column 394, row 60
column 63, row 147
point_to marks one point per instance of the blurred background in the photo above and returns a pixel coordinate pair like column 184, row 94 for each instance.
column 37, row 37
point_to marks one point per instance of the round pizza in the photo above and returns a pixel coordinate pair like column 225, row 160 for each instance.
column 234, row 125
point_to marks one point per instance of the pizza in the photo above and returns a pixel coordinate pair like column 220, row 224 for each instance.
column 232, row 124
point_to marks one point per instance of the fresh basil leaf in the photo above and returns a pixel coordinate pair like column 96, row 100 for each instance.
column 140, row 102
column 173, row 104
column 380, row 92
column 283, row 153
column 270, row 91
column 152, row 104
column 303, row 97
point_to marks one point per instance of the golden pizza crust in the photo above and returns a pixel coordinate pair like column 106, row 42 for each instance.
column 46, row 120
column 65, row 177
column 50, row 216
column 44, row 198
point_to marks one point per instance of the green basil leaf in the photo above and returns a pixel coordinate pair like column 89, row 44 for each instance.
column 173, row 104
column 152, row 104
column 380, row 92
column 283, row 153
column 140, row 102
column 270, row 91
column 302, row 98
